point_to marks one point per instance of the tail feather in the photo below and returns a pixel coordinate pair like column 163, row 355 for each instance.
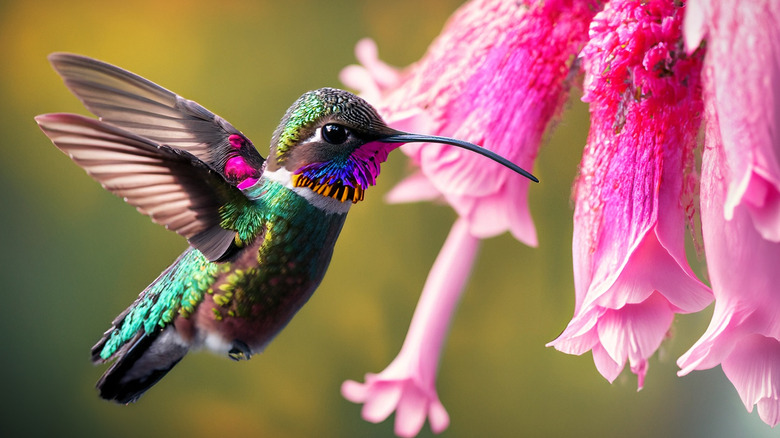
column 141, row 364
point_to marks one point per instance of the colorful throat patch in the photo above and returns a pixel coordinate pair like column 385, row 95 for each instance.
column 345, row 179
column 335, row 189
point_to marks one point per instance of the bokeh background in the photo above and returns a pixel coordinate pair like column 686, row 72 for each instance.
column 74, row 256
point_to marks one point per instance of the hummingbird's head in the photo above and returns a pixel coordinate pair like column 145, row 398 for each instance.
column 333, row 142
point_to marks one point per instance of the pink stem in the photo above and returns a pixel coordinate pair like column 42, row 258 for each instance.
column 442, row 291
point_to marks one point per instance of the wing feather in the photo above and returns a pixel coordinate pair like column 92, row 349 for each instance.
column 138, row 105
column 171, row 186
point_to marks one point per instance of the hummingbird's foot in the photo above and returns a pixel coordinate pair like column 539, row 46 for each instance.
column 240, row 351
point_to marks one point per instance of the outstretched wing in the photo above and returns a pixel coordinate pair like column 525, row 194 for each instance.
column 173, row 187
column 137, row 105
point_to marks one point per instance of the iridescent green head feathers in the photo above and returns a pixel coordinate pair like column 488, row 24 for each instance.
column 315, row 109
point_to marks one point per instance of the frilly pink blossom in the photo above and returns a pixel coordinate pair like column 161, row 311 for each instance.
column 743, row 41
column 631, row 274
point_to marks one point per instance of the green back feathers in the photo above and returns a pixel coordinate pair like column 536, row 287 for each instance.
column 177, row 291
column 276, row 216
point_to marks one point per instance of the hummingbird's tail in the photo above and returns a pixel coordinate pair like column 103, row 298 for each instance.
column 143, row 340
column 141, row 363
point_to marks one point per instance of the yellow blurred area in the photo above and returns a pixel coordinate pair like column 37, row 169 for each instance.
column 74, row 256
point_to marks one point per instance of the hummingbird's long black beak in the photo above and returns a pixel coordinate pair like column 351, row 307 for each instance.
column 402, row 137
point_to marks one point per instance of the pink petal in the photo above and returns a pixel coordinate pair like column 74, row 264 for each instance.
column 354, row 391
column 521, row 225
column 754, row 369
column 367, row 54
column 762, row 198
column 414, row 188
column 490, row 216
column 411, row 413
column 580, row 335
column 384, row 399
column 438, row 417
column 636, row 331
column 714, row 345
column 374, row 77
column 359, row 78
column 769, row 410
column 649, row 268
column 605, row 364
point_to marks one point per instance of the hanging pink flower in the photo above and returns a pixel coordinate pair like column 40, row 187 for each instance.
column 496, row 76
column 739, row 196
column 408, row 384
column 630, row 271
column 744, row 335
column 743, row 42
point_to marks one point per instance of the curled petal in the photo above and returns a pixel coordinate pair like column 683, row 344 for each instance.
column 635, row 332
column 410, row 399
column 632, row 332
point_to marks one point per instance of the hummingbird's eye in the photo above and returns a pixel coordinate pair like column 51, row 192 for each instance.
column 334, row 134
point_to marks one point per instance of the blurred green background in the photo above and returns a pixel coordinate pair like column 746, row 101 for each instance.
column 74, row 256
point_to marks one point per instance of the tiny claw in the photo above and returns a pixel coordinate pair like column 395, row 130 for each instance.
column 240, row 351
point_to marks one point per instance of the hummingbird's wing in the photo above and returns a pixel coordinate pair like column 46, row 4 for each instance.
column 172, row 186
column 142, row 107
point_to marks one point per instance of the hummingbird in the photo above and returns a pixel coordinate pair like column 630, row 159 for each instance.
column 261, row 231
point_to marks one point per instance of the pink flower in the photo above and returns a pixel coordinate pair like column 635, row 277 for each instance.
column 744, row 335
column 739, row 193
column 633, row 193
column 407, row 385
column 743, row 41
column 496, row 76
